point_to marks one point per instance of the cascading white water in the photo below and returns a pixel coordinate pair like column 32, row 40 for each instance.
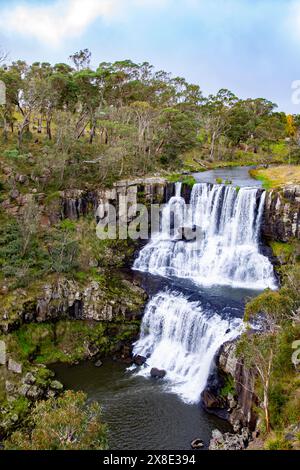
column 227, row 250
column 179, row 337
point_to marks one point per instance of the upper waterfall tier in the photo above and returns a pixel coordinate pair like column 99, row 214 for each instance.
column 227, row 223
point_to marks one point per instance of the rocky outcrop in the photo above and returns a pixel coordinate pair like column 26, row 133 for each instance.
column 61, row 298
column 281, row 220
column 36, row 384
column 230, row 364
column 124, row 196
column 228, row 441
column 237, row 405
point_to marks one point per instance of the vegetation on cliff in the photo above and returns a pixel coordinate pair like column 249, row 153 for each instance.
column 270, row 355
column 64, row 423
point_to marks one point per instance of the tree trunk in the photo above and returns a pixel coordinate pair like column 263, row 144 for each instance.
column 40, row 125
column 267, row 413
column 212, row 146
column 92, row 134
column 5, row 129
column 20, row 139
column 48, row 129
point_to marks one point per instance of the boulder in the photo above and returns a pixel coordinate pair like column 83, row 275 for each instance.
column 10, row 387
column 34, row 393
column 92, row 350
column 157, row 373
column 56, row 385
column 51, row 394
column 139, row 360
column 14, row 366
column 14, row 194
column 197, row 444
column 21, row 179
column 98, row 363
column 29, row 379
column 24, row 389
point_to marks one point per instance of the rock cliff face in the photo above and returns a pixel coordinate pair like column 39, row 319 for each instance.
column 125, row 194
column 237, row 405
column 74, row 203
column 281, row 220
column 65, row 298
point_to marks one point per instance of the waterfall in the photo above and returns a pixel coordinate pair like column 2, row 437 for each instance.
column 179, row 337
column 182, row 337
column 226, row 251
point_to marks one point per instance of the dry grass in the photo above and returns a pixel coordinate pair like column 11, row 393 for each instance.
column 278, row 176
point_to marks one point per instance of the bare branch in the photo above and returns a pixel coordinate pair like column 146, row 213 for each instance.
column 3, row 55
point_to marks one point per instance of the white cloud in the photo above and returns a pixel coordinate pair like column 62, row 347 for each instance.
column 63, row 19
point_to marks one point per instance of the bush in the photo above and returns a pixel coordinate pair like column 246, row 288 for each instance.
column 11, row 153
column 278, row 444
column 64, row 423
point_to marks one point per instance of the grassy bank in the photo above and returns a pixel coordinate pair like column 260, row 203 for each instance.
column 277, row 176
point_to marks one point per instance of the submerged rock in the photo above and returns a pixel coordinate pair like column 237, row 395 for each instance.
column 98, row 363
column 139, row 360
column 157, row 373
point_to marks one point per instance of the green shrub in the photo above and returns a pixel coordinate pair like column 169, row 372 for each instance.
column 278, row 444
column 64, row 423
column 228, row 387
column 11, row 153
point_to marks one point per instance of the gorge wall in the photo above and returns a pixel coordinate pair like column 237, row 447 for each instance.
column 281, row 220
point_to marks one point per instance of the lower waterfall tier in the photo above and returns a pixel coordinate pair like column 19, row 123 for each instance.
column 179, row 337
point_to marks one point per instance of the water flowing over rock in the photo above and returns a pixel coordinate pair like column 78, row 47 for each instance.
column 181, row 336
column 226, row 251
column 178, row 337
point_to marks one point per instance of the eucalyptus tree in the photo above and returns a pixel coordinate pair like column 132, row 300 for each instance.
column 215, row 113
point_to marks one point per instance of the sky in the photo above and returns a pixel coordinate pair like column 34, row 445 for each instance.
column 251, row 47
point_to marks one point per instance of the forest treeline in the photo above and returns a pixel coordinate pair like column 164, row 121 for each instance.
column 130, row 118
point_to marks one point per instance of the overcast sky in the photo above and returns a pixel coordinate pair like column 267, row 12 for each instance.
column 251, row 47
